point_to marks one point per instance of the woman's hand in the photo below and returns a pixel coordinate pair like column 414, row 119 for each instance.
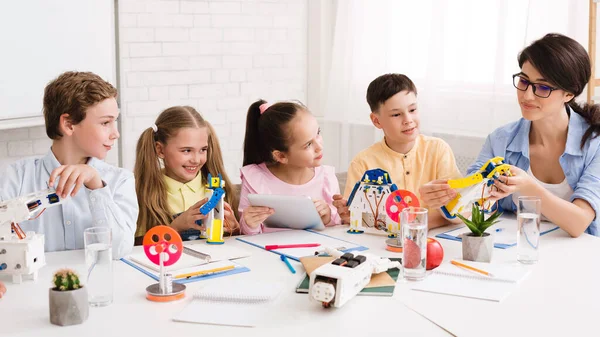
column 324, row 211
column 187, row 219
column 255, row 215
column 519, row 181
column 437, row 193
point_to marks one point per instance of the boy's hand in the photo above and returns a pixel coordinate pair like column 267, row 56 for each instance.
column 187, row 219
column 2, row 289
column 324, row 210
column 437, row 193
column 231, row 224
column 344, row 211
column 73, row 177
column 255, row 215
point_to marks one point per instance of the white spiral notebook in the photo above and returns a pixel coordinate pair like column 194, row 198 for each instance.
column 452, row 280
column 230, row 303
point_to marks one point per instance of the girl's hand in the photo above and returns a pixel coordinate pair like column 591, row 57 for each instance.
column 255, row 215
column 72, row 177
column 344, row 211
column 187, row 219
column 437, row 193
column 231, row 224
column 324, row 210
column 520, row 181
column 2, row 289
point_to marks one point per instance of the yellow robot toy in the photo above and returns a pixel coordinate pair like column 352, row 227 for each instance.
column 476, row 187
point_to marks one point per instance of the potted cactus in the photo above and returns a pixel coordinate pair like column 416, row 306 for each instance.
column 478, row 245
column 68, row 299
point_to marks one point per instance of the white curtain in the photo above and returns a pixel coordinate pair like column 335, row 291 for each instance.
column 460, row 54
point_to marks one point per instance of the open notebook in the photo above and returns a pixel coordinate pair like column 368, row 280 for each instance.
column 187, row 260
column 231, row 303
column 452, row 280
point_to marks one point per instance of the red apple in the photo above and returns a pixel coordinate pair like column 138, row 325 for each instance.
column 435, row 254
column 411, row 254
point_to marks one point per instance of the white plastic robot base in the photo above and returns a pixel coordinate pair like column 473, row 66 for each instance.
column 22, row 258
column 335, row 283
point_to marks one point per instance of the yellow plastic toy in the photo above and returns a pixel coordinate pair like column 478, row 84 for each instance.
column 214, row 209
column 476, row 187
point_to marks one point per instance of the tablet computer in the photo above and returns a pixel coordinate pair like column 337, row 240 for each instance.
column 295, row 212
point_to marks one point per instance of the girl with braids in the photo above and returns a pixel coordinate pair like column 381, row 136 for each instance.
column 553, row 149
column 283, row 149
column 174, row 158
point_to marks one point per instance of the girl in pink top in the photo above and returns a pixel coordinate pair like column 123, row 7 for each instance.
column 282, row 155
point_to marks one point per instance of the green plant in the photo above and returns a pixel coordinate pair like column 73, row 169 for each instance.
column 66, row 279
column 478, row 223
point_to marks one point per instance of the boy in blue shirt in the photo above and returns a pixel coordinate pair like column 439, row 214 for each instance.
column 80, row 113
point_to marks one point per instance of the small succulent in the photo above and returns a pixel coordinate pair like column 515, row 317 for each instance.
column 478, row 223
column 66, row 279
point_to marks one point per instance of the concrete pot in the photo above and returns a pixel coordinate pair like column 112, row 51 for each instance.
column 477, row 248
column 68, row 307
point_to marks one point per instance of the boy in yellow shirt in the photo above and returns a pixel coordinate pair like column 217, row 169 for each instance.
column 412, row 159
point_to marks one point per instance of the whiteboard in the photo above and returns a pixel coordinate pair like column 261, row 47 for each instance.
column 40, row 39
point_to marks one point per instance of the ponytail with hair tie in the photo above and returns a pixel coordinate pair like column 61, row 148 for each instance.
column 268, row 134
column 263, row 107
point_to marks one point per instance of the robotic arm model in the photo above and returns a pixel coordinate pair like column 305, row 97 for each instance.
column 335, row 283
column 476, row 187
column 23, row 253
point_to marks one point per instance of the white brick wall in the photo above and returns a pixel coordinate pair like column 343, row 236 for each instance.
column 20, row 143
column 217, row 56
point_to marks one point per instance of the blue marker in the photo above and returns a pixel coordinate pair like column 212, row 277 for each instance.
column 498, row 230
column 287, row 262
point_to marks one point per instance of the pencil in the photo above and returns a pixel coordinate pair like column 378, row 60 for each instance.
column 204, row 272
column 462, row 265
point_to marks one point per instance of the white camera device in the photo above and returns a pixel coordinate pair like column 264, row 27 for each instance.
column 337, row 282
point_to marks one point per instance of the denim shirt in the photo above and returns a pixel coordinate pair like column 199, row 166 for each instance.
column 581, row 166
column 114, row 205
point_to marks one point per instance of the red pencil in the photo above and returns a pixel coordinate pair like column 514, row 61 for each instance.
column 299, row 245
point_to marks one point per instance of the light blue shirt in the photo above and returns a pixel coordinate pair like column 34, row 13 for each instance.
column 581, row 166
column 115, row 205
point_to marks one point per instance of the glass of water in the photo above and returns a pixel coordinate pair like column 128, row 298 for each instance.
column 98, row 261
column 528, row 229
column 414, row 241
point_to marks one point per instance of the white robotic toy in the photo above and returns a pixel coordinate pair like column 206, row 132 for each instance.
column 337, row 282
column 22, row 254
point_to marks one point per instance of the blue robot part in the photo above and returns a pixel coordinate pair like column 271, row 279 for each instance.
column 213, row 201
column 372, row 177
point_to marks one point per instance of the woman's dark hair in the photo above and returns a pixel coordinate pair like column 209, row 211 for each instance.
column 565, row 63
column 267, row 131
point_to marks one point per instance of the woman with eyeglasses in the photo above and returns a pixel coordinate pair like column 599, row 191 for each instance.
column 553, row 150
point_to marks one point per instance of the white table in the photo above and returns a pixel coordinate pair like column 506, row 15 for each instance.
column 24, row 309
column 559, row 298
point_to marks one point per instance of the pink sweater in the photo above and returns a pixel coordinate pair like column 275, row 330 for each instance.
column 257, row 179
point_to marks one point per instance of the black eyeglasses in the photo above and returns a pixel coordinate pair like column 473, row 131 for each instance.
column 540, row 90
